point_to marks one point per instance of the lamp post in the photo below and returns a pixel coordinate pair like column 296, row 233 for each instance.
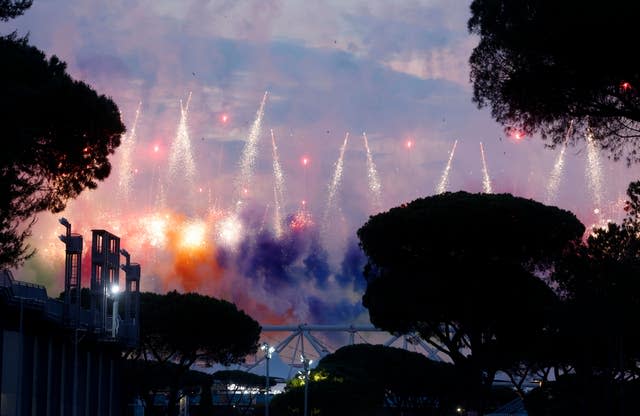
column 306, row 363
column 268, row 350
column 115, row 291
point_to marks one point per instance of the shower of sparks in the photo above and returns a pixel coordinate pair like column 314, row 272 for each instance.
column 278, row 188
column 594, row 173
column 230, row 231
column 486, row 180
column 556, row 174
column 250, row 151
column 193, row 234
column 444, row 179
column 372, row 174
column 180, row 156
column 335, row 184
column 156, row 229
column 125, row 173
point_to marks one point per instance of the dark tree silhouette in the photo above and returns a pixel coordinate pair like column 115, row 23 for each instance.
column 462, row 270
column 58, row 134
column 182, row 328
column 601, row 292
column 363, row 379
column 563, row 69
column 10, row 9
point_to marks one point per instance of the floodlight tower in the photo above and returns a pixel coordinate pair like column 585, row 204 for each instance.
column 105, row 268
column 268, row 350
column 72, row 272
column 131, row 296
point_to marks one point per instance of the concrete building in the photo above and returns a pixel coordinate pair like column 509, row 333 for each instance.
column 62, row 357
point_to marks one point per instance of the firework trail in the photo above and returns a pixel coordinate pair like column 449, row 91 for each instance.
column 278, row 188
column 374, row 181
column 250, row 151
column 180, row 156
column 335, row 183
column 125, row 174
column 444, row 179
column 556, row 173
column 594, row 173
column 486, row 180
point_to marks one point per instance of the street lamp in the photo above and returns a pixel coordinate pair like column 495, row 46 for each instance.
column 306, row 365
column 268, row 350
column 115, row 291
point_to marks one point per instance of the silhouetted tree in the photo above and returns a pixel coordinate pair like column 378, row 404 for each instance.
column 184, row 328
column 362, row 379
column 10, row 9
column 58, row 134
column 560, row 69
column 463, row 271
column 601, row 290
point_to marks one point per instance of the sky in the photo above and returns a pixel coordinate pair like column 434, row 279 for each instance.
column 203, row 199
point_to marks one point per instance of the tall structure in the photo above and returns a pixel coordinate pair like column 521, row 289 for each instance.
column 72, row 273
column 105, row 275
column 129, row 326
column 63, row 357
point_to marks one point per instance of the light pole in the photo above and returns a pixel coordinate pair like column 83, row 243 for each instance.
column 268, row 350
column 306, row 363
column 115, row 291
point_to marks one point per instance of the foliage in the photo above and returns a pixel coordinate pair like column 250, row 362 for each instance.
column 174, row 330
column 58, row 134
column 463, row 270
column 10, row 9
column 362, row 379
column 562, row 69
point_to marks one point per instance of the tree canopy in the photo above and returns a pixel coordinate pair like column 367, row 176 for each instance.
column 463, row 270
column 10, row 9
column 179, row 329
column 362, row 379
column 58, row 134
column 562, row 69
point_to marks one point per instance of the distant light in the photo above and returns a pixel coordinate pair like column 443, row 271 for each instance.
column 224, row 117
column 115, row 289
column 625, row 86
column 156, row 148
column 200, row 190
column 409, row 144
column 596, row 211
column 305, row 161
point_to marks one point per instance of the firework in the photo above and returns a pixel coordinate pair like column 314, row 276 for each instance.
column 180, row 156
column 372, row 174
column 230, row 231
column 278, row 188
column 250, row 151
column 444, row 179
column 335, row 183
column 594, row 173
column 486, row 180
column 125, row 173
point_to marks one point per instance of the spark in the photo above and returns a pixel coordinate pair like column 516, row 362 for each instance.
column 486, row 180
column 193, row 235
column 372, row 174
column 444, row 179
column 305, row 161
column 156, row 148
column 556, row 173
column 335, row 183
column 224, row 118
column 230, row 230
column 156, row 230
column 409, row 144
column 301, row 220
column 594, row 171
column 278, row 188
column 625, row 86
column 128, row 144
column 250, row 151
column 181, row 157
